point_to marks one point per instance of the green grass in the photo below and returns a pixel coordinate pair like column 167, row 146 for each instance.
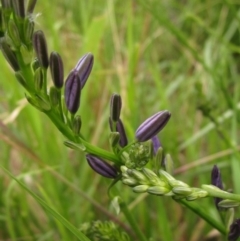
column 156, row 55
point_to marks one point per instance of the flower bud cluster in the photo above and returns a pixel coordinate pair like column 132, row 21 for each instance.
column 146, row 180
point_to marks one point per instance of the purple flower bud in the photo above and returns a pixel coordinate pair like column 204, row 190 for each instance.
column 150, row 127
column 101, row 167
column 156, row 144
column 56, row 67
column 10, row 56
column 84, row 67
column 40, row 46
column 123, row 141
column 234, row 232
column 72, row 92
column 216, row 180
column 115, row 107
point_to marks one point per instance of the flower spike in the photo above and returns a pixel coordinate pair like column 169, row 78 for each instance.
column 150, row 127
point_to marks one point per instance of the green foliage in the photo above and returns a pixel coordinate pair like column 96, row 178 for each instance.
column 177, row 55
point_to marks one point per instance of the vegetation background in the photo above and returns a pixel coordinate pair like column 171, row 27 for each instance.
column 182, row 56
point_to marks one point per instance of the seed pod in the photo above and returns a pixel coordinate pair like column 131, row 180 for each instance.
column 40, row 46
column 10, row 56
column 56, row 67
column 84, row 67
column 72, row 92
column 150, row 127
column 115, row 107
column 101, row 167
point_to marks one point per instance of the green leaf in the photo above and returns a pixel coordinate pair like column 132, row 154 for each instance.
column 55, row 214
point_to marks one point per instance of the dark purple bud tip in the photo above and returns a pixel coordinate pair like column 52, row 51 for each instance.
column 72, row 92
column 115, row 107
column 154, row 124
column 56, row 67
column 101, row 167
column 156, row 144
column 216, row 180
column 40, row 46
column 84, row 67
column 234, row 232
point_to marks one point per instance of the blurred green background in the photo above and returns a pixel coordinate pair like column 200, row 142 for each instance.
column 182, row 56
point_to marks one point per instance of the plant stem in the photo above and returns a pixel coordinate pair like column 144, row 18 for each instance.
column 204, row 215
column 132, row 221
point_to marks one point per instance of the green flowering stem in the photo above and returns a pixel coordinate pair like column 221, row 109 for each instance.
column 204, row 215
column 67, row 132
column 132, row 221
column 216, row 192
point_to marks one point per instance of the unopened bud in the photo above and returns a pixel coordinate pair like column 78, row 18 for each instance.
column 181, row 190
column 40, row 46
column 158, row 190
column 28, row 29
column 84, row 68
column 14, row 33
column 101, row 167
column 10, row 56
column 234, row 232
column 115, row 107
column 56, row 67
column 54, row 96
column 72, row 92
column 77, row 124
column 228, row 203
column 140, row 188
column 38, row 79
column 151, row 127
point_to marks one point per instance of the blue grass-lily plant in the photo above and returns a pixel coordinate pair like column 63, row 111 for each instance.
column 26, row 52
